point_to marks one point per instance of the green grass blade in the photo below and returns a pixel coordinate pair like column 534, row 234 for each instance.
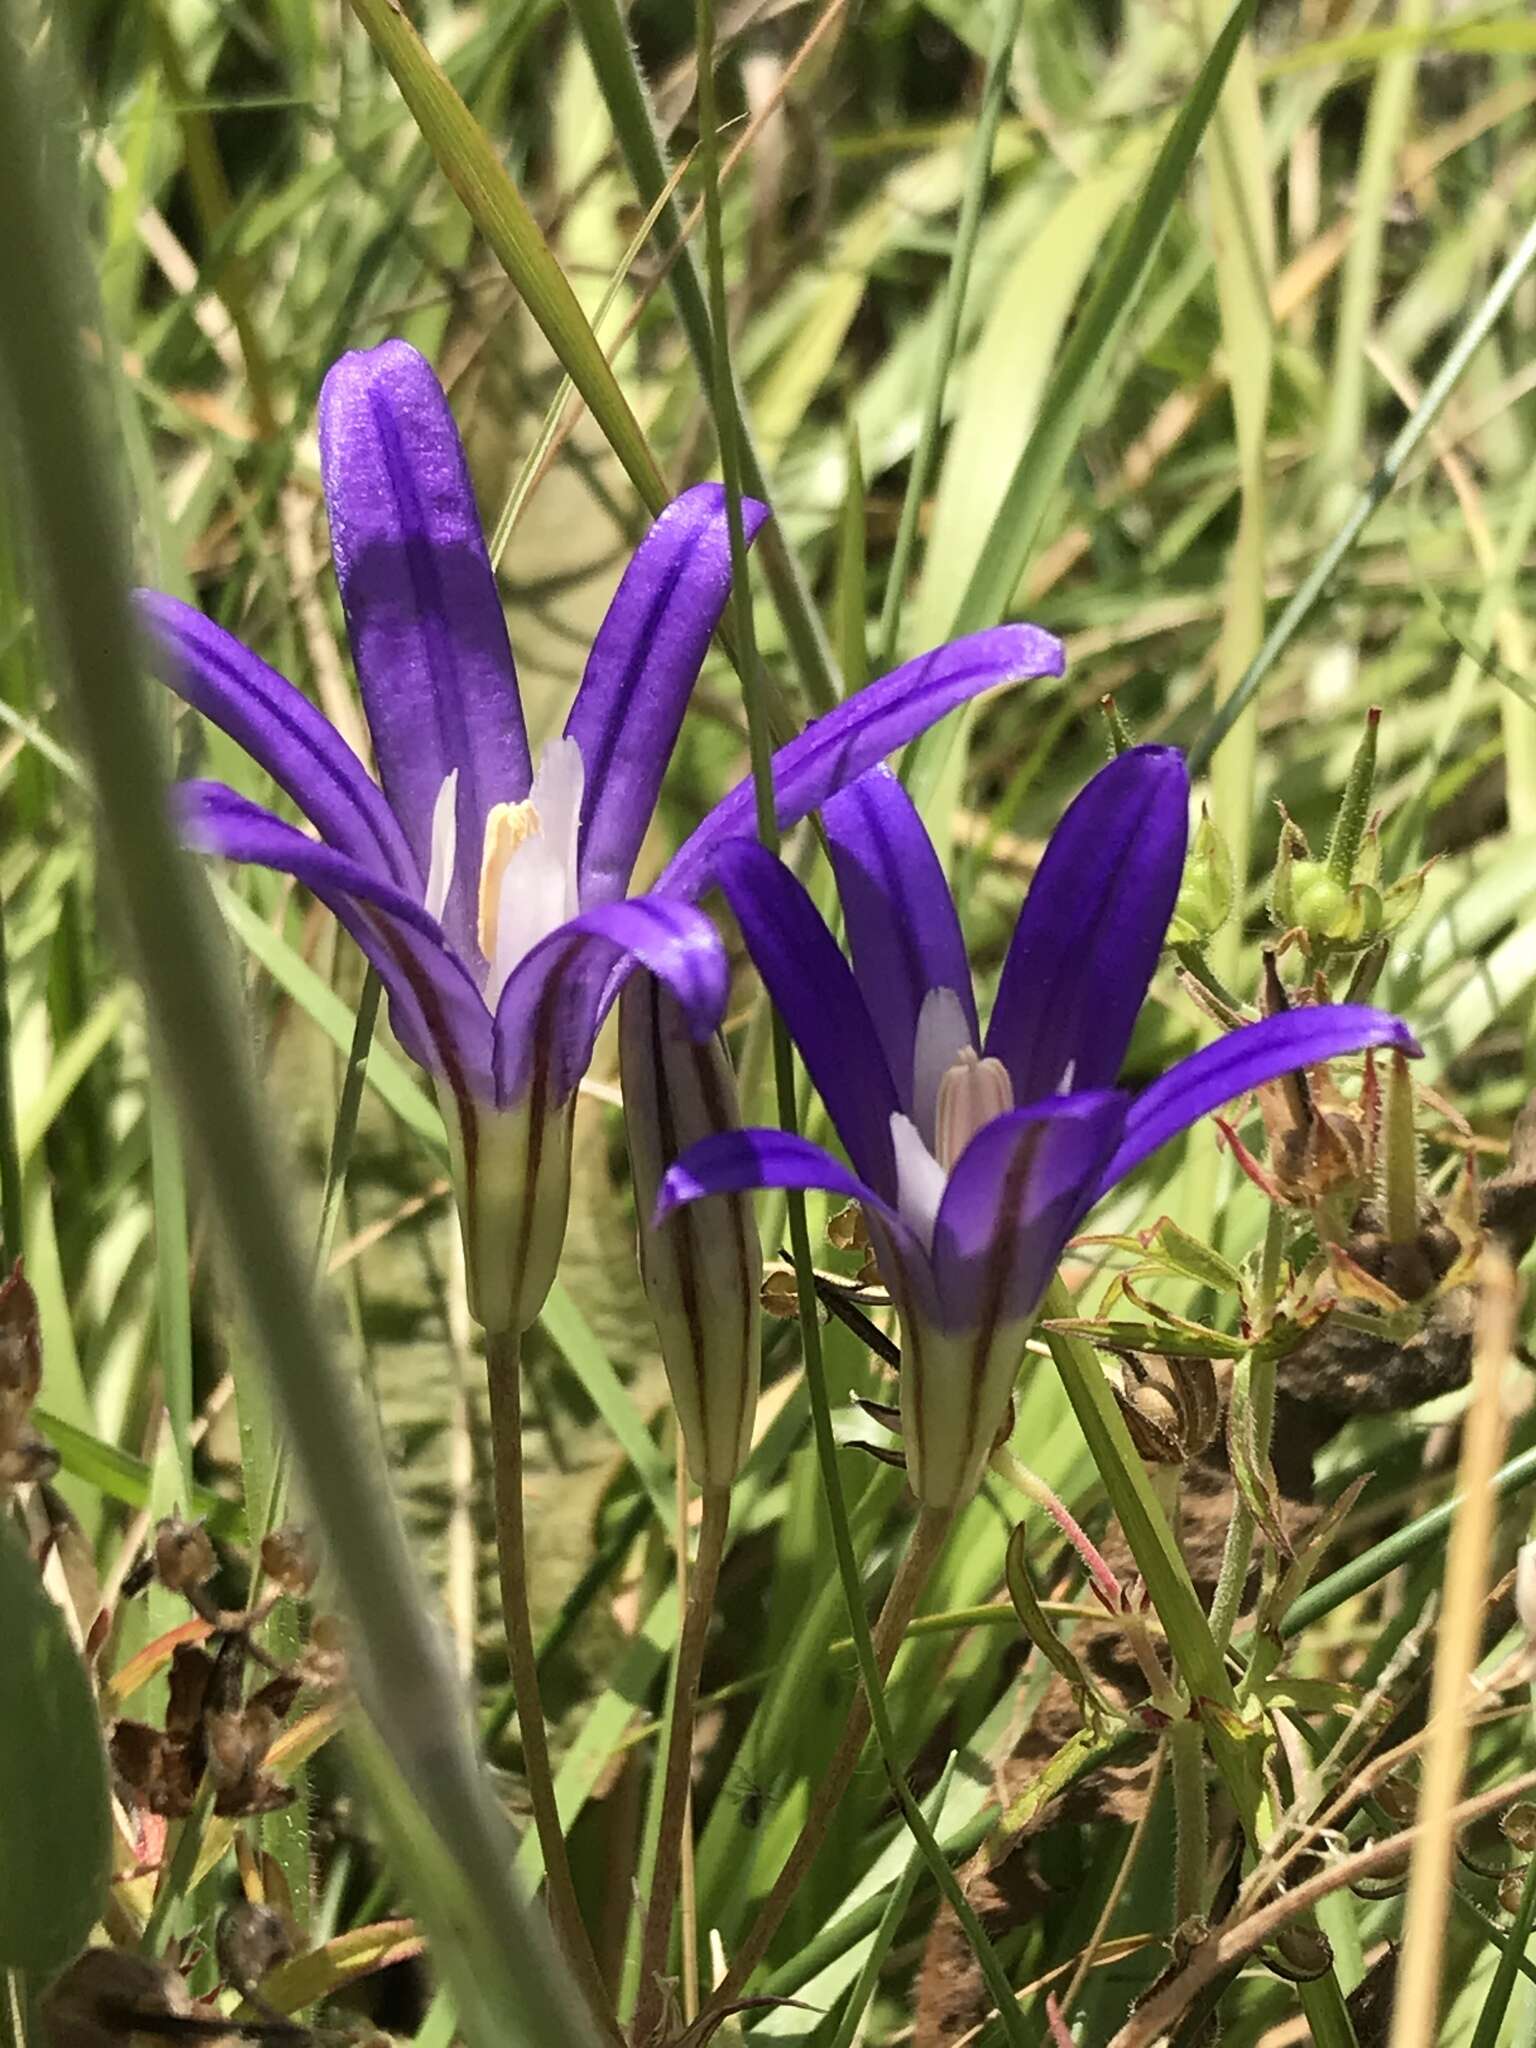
column 122, row 1477
column 924, row 455
column 1001, row 567
column 456, row 1857
column 464, row 154
column 1380, row 487
column 55, row 1819
column 624, row 89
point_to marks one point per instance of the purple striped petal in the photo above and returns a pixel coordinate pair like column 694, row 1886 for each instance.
column 644, row 663
column 554, row 1001
column 1015, row 1195
column 423, row 615
column 1242, row 1060
column 902, row 929
column 283, row 732
column 833, row 751
column 1092, row 926
column 435, row 1007
column 814, row 991
column 736, row 1162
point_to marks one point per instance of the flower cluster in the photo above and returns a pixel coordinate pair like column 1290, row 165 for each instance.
column 490, row 893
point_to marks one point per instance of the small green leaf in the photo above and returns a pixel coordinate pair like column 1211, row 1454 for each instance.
column 55, row 1828
column 1037, row 1624
column 1196, row 1261
column 1163, row 1340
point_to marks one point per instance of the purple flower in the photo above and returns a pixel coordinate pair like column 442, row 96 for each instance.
column 490, row 894
column 977, row 1158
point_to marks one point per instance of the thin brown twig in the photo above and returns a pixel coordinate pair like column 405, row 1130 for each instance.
column 504, row 1373
column 1240, row 1936
column 912, row 1575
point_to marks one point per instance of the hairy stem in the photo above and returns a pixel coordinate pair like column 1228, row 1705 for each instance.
column 900, row 1603
column 674, row 1801
column 504, row 1372
column 1186, row 1752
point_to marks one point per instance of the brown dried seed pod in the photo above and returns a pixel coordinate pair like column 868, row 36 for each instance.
column 104, row 1992
column 21, row 1346
column 184, row 1555
column 288, row 1560
column 252, row 1940
column 1171, row 1406
column 847, row 1230
column 779, row 1295
column 324, row 1664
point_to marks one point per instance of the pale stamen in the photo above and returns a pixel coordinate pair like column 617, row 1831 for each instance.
column 507, row 826
column 528, row 870
column 972, row 1094
column 972, row 1091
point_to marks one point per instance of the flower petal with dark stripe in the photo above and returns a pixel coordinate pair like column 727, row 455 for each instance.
column 489, row 890
column 976, row 1159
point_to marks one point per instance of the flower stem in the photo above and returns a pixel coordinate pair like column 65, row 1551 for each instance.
column 504, row 1372
column 1186, row 1751
column 912, row 1576
column 1237, row 1554
column 674, row 1802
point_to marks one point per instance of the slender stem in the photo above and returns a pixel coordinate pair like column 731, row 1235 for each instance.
column 674, row 1804
column 912, row 1575
column 11, row 1208
column 504, row 1372
column 1186, row 1753
column 875, row 1656
column 1237, row 1554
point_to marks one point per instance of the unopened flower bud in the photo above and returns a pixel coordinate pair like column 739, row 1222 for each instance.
column 1206, row 893
column 1519, row 1826
column 1511, row 1890
column 184, row 1555
column 288, row 1561
column 701, row 1268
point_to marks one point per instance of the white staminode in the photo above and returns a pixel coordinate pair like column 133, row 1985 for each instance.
column 528, row 867
column 445, row 837
column 943, row 1035
column 956, row 1092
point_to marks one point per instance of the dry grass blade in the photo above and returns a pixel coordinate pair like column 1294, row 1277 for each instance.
column 1461, row 1613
